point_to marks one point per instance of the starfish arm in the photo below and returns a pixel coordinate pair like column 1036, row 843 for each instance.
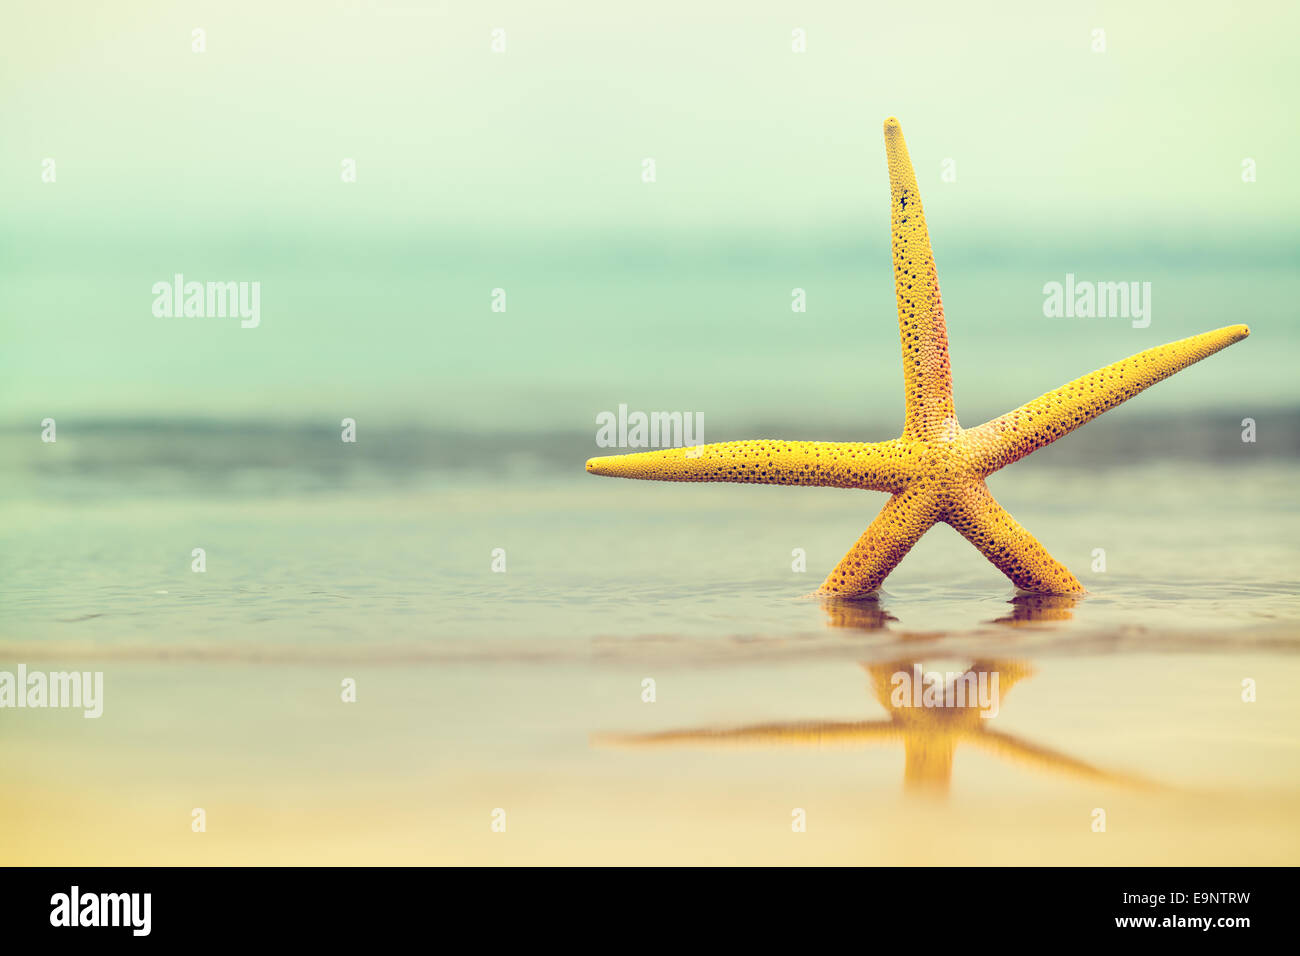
column 900, row 524
column 1048, row 417
column 927, row 373
column 880, row 466
column 1010, row 673
column 881, row 677
column 1013, row 550
column 1044, row 758
column 821, row 735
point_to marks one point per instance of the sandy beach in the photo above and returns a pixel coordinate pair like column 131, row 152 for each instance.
column 523, row 691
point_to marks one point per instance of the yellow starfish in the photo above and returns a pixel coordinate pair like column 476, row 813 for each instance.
column 936, row 469
column 929, row 735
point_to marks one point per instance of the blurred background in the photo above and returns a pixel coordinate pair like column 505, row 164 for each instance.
column 522, row 170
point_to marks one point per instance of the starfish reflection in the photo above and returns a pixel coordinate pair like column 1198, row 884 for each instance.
column 1026, row 609
column 929, row 734
column 930, row 721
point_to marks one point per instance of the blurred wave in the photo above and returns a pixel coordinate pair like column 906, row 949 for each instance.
column 158, row 456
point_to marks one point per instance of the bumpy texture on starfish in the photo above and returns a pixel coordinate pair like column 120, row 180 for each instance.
column 936, row 469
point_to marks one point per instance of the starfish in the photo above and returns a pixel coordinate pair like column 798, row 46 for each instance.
column 935, row 470
column 929, row 735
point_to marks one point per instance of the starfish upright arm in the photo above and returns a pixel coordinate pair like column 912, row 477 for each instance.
column 1014, row 435
column 886, row 541
column 927, row 373
column 1013, row 550
column 879, row 466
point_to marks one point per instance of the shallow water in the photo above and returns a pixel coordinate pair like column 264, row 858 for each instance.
column 523, row 690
